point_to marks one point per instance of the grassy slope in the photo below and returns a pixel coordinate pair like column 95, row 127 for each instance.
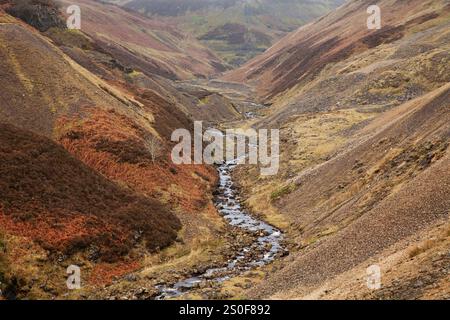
column 57, row 201
column 105, row 125
column 154, row 45
column 237, row 31
column 302, row 55
column 327, row 109
column 386, row 188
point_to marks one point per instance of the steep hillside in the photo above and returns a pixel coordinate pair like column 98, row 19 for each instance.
column 236, row 29
column 86, row 118
column 409, row 30
column 319, row 102
column 60, row 203
column 147, row 45
column 364, row 120
column 33, row 100
column 117, row 170
column 382, row 190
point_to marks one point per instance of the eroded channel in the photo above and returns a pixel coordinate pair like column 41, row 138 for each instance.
column 267, row 244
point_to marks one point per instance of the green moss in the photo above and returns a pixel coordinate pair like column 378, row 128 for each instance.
column 284, row 191
column 134, row 74
column 204, row 101
column 70, row 38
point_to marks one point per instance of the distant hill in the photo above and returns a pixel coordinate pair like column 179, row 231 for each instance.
column 236, row 29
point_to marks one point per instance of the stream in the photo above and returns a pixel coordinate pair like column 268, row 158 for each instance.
column 267, row 245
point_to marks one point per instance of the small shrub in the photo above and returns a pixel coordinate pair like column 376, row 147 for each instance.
column 63, row 205
column 154, row 148
column 202, row 176
column 284, row 191
column 41, row 14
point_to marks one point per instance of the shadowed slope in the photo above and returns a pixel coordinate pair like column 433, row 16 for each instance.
column 117, row 136
column 54, row 199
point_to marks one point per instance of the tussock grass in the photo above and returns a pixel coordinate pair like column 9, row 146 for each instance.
column 430, row 243
column 282, row 192
column 419, row 249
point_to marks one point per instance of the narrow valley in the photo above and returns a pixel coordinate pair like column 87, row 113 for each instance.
column 115, row 176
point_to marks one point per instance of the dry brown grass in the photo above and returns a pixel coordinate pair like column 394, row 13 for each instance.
column 430, row 243
column 419, row 249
